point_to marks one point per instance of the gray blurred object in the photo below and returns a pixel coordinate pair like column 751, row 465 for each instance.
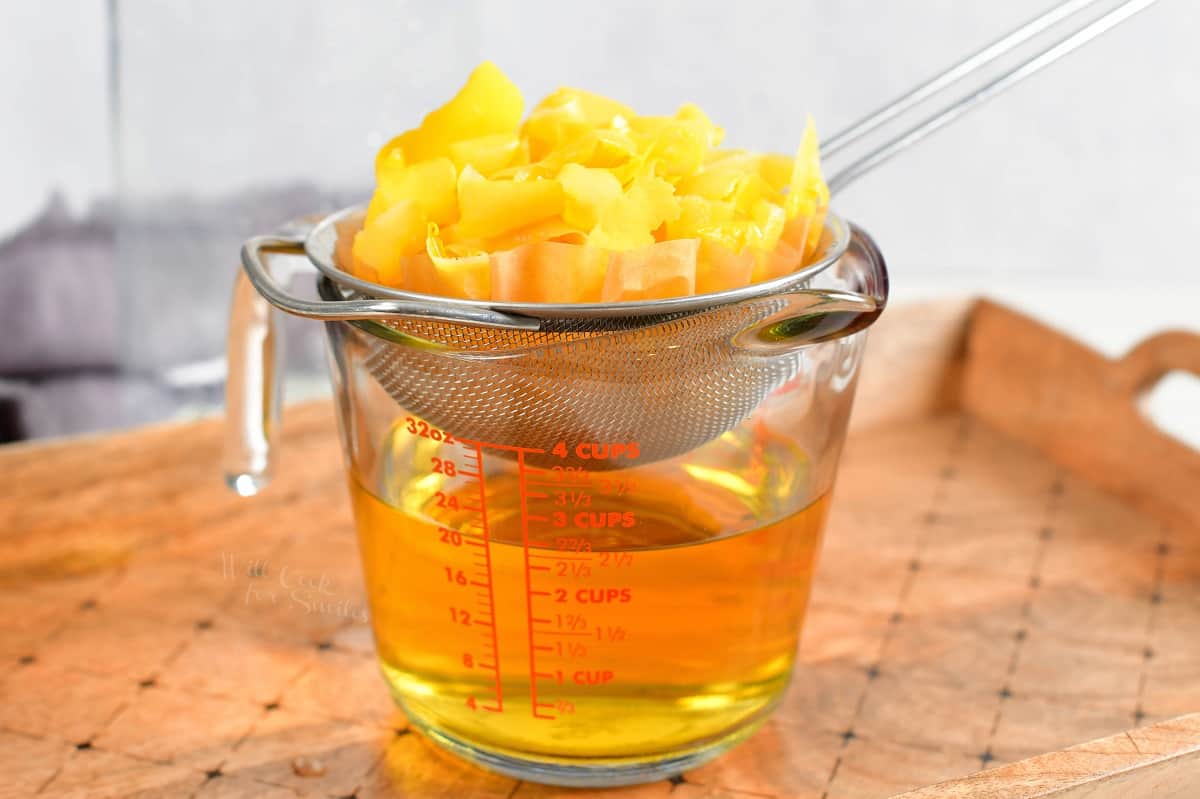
column 59, row 345
column 86, row 344
column 59, row 282
column 176, row 259
column 74, row 403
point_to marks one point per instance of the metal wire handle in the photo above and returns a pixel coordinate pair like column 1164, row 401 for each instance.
column 972, row 98
column 326, row 310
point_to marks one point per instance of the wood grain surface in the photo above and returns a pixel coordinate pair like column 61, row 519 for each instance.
column 1082, row 410
column 987, row 597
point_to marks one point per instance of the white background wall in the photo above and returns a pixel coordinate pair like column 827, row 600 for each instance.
column 53, row 98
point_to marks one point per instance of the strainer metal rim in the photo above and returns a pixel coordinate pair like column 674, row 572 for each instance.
column 321, row 241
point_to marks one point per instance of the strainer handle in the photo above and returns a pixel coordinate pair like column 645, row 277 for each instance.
column 253, row 389
column 333, row 310
column 811, row 316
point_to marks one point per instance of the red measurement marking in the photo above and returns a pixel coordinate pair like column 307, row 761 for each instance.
column 479, row 445
column 572, row 544
column 540, row 568
column 574, row 569
column 528, row 586
column 540, row 593
column 562, row 557
column 610, row 633
column 477, row 456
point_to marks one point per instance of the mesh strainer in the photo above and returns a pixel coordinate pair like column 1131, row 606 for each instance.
column 669, row 374
column 666, row 374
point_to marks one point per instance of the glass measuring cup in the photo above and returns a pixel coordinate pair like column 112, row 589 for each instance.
column 554, row 601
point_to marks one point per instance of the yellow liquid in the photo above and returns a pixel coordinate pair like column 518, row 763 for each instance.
column 631, row 626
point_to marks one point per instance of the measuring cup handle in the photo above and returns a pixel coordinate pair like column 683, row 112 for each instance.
column 812, row 316
column 253, row 389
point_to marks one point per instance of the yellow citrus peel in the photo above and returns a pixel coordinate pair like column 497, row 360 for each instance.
column 585, row 201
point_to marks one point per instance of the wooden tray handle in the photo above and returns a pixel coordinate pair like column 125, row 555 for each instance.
column 1150, row 361
column 1078, row 407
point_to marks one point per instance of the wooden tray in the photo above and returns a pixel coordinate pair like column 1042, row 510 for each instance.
column 1012, row 567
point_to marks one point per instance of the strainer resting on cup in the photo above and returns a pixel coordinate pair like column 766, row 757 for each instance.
column 668, row 374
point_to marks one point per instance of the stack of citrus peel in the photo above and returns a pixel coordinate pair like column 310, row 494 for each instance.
column 585, row 201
